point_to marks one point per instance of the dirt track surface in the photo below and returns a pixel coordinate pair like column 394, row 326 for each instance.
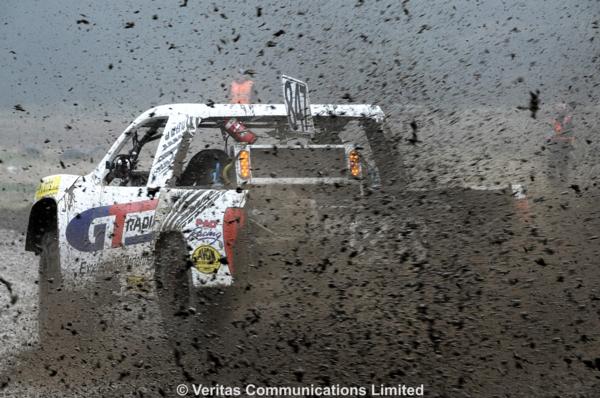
column 458, row 290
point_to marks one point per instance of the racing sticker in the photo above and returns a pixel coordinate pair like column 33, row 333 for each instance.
column 138, row 283
column 132, row 224
column 207, row 259
column 206, row 223
column 204, row 235
column 48, row 187
column 168, row 148
column 206, row 232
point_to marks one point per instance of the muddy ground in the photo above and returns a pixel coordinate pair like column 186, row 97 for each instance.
column 470, row 293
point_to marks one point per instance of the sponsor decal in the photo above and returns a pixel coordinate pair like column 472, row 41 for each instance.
column 205, row 235
column 168, row 148
column 207, row 259
column 138, row 282
column 207, row 223
column 48, row 187
column 129, row 227
column 139, row 224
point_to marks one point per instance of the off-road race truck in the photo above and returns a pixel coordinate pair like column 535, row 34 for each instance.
column 164, row 208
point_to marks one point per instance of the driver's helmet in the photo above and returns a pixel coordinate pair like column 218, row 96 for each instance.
column 122, row 166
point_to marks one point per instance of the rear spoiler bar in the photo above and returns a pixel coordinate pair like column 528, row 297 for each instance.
column 222, row 111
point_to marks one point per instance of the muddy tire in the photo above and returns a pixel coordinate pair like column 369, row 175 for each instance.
column 50, row 281
column 173, row 282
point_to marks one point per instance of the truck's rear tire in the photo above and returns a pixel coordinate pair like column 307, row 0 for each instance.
column 50, row 281
column 172, row 277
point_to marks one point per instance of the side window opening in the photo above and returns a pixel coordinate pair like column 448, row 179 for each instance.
column 206, row 163
column 132, row 163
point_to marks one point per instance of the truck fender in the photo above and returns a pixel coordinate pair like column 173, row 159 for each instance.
column 42, row 218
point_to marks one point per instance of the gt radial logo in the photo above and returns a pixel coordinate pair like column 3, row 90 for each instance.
column 87, row 231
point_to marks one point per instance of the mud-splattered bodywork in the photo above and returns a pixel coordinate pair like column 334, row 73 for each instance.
column 100, row 225
column 208, row 220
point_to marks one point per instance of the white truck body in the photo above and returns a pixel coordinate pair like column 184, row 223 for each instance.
column 100, row 224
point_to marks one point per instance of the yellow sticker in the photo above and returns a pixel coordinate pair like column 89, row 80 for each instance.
column 48, row 187
column 137, row 282
column 207, row 259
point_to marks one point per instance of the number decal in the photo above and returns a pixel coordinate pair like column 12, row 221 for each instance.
column 297, row 105
column 289, row 104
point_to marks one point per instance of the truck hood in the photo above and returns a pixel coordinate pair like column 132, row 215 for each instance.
column 55, row 186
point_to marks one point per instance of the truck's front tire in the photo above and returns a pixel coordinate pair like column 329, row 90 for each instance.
column 50, row 280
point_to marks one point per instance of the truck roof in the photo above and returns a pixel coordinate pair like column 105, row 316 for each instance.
column 204, row 111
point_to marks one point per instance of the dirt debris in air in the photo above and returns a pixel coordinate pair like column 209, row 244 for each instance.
column 406, row 305
column 450, row 281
